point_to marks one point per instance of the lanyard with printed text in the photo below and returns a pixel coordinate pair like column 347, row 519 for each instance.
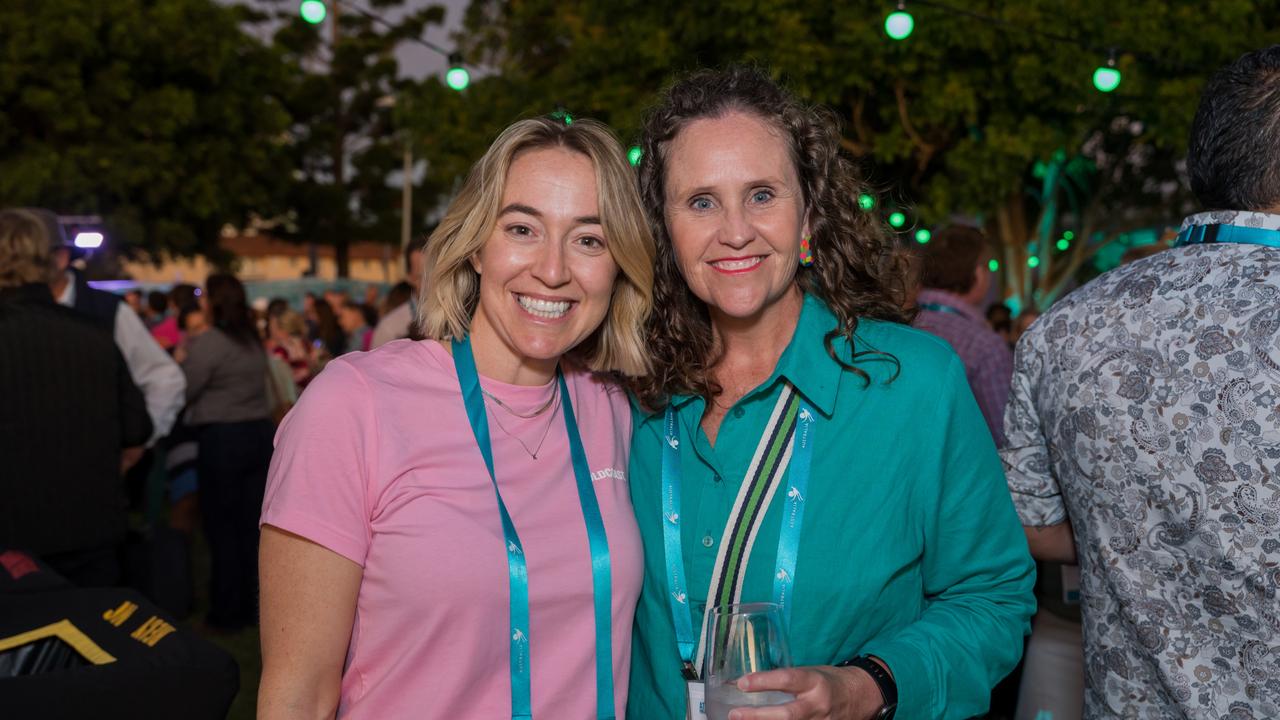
column 601, row 576
column 790, row 412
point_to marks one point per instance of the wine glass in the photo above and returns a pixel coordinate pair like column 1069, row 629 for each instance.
column 741, row 639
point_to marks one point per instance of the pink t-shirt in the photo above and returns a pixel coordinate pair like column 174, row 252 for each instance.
column 378, row 463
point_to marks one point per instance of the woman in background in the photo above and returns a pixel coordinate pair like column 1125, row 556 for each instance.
column 227, row 407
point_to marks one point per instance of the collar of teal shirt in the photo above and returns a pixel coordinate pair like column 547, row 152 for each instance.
column 805, row 362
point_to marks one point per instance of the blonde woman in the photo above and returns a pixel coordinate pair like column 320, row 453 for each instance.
column 447, row 531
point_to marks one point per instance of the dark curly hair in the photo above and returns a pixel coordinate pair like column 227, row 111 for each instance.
column 857, row 269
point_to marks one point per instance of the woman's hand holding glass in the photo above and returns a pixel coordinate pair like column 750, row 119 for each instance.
column 749, row 676
column 821, row 693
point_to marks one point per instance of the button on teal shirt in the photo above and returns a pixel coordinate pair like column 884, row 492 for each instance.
column 911, row 550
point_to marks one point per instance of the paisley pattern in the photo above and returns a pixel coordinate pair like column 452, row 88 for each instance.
column 1146, row 409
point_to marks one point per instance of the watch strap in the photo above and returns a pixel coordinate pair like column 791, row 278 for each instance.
column 884, row 681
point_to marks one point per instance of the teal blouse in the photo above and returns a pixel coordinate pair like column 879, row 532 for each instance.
column 911, row 550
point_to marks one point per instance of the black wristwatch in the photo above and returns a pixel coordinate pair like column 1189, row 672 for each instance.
column 888, row 688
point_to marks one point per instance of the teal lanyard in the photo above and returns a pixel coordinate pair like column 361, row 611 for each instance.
column 788, row 536
column 601, row 574
column 1229, row 234
column 939, row 307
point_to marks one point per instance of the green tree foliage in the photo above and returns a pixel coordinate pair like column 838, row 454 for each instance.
column 158, row 115
column 344, row 138
column 982, row 117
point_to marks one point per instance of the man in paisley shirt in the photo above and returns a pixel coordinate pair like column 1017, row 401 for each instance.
column 1144, row 436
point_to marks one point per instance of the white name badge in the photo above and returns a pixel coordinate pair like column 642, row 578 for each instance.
column 697, row 694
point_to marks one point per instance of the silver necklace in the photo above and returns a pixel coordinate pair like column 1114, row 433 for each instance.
column 545, row 431
column 555, row 392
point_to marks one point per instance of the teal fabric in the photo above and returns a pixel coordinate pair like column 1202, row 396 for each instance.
column 911, row 549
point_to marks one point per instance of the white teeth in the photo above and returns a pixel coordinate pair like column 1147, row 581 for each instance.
column 549, row 309
column 738, row 264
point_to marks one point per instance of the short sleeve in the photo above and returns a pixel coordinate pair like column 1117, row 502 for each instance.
column 1036, row 493
column 319, row 486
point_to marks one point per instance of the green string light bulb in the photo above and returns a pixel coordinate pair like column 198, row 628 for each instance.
column 899, row 25
column 313, row 11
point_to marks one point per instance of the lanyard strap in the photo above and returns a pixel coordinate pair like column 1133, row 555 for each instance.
column 753, row 501
column 601, row 574
column 1229, row 233
column 939, row 307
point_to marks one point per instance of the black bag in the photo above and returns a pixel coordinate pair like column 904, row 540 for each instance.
column 106, row 653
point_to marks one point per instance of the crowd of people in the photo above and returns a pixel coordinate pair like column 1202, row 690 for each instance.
column 608, row 403
column 212, row 376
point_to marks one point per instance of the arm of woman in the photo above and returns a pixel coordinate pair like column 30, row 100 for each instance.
column 977, row 572
column 315, row 537
column 308, row 607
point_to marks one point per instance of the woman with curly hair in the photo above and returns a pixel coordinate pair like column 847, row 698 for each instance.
column 803, row 445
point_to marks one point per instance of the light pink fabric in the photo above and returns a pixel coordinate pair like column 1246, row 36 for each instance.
column 377, row 462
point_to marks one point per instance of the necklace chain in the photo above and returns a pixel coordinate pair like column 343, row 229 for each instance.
column 555, row 393
column 545, row 431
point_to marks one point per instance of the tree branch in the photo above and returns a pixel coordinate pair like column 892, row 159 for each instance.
column 927, row 149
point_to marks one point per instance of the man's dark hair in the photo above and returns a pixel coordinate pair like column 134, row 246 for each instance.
column 1234, row 155
column 158, row 302
column 950, row 257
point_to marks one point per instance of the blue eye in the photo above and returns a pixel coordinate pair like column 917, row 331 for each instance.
column 761, row 196
column 701, row 203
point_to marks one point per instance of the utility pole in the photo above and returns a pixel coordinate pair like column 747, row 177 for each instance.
column 406, row 194
column 341, row 240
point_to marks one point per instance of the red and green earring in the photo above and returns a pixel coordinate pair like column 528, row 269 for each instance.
column 806, row 252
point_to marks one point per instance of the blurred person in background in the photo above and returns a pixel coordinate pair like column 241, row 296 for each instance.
column 399, row 294
column 152, row 369
column 1023, row 322
column 309, row 313
column 226, row 369
column 371, row 295
column 154, row 312
column 168, row 332
column 397, row 320
column 133, row 298
column 68, row 408
column 956, row 281
column 287, row 340
column 328, row 339
column 351, row 317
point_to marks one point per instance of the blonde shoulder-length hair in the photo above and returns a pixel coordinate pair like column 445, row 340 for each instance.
column 26, row 250
column 451, row 286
